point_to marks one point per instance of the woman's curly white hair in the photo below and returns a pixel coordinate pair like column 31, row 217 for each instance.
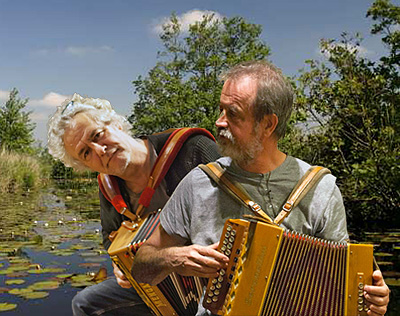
column 99, row 110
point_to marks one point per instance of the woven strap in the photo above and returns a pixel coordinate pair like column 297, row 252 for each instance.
column 164, row 161
column 303, row 186
column 234, row 189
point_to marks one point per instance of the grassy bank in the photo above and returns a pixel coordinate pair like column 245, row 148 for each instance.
column 19, row 172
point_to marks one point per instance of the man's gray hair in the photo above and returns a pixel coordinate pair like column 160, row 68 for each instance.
column 99, row 110
column 274, row 92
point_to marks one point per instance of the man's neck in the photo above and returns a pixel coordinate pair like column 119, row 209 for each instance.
column 138, row 171
column 265, row 162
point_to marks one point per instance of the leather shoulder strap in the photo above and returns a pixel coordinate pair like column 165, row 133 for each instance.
column 164, row 161
column 110, row 189
column 234, row 189
column 303, row 186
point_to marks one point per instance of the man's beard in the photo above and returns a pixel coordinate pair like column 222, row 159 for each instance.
column 242, row 154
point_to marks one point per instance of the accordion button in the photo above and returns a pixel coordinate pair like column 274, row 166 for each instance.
column 360, row 308
column 233, row 232
column 229, row 228
column 218, row 286
column 216, row 292
column 361, row 285
column 215, row 299
column 223, row 248
column 227, row 235
column 225, row 241
column 220, row 279
column 212, row 288
column 228, row 252
column 222, row 272
column 210, row 294
column 209, row 300
column 229, row 246
column 214, row 281
column 231, row 239
column 360, row 301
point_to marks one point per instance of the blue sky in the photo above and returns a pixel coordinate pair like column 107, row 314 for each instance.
column 51, row 49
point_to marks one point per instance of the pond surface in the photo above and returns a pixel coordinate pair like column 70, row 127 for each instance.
column 50, row 248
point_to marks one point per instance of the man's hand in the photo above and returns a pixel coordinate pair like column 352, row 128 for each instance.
column 196, row 260
column 377, row 295
column 121, row 279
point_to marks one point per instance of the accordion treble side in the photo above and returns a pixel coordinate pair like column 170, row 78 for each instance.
column 275, row 272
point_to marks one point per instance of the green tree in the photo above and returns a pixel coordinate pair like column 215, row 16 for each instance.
column 183, row 89
column 16, row 128
column 351, row 107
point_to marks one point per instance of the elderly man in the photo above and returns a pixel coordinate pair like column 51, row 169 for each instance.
column 87, row 133
column 255, row 105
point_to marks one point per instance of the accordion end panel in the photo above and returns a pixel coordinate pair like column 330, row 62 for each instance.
column 122, row 255
column 359, row 273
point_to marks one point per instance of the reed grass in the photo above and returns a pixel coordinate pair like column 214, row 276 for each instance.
column 18, row 172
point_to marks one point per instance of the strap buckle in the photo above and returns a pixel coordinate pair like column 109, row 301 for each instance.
column 254, row 206
column 288, row 207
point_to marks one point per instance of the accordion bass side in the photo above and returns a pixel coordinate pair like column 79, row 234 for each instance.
column 175, row 296
column 275, row 272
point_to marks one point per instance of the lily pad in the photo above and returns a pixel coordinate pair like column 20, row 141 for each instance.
column 20, row 291
column 46, row 270
column 35, row 295
column 45, row 285
column 15, row 282
column 64, row 276
column 7, row 307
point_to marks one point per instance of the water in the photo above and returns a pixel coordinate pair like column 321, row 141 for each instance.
column 56, row 231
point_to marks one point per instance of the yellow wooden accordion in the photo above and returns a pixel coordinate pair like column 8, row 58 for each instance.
column 275, row 272
column 176, row 295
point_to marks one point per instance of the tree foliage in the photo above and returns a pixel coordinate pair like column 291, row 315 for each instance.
column 351, row 106
column 183, row 89
column 16, row 128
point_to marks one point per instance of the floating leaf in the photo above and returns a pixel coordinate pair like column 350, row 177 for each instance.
column 95, row 259
column 45, row 285
column 35, row 295
column 64, row 276
column 15, row 282
column 7, row 307
column 20, row 291
column 46, row 270
column 4, row 289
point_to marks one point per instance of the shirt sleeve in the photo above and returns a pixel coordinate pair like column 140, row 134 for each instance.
column 175, row 216
column 333, row 225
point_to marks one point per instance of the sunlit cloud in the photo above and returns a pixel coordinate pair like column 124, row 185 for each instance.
column 186, row 19
column 4, row 95
column 50, row 100
column 358, row 49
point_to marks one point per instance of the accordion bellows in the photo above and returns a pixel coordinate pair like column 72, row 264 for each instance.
column 275, row 272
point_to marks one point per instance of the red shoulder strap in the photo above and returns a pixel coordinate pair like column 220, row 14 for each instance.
column 109, row 185
column 165, row 160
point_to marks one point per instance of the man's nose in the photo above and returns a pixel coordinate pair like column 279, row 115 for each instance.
column 99, row 148
column 221, row 121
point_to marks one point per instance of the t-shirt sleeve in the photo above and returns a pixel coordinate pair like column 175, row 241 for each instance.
column 175, row 216
column 333, row 225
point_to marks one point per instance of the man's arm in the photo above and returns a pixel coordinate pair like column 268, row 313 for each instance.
column 163, row 254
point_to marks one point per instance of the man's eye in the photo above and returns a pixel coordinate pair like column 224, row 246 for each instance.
column 98, row 135
column 86, row 153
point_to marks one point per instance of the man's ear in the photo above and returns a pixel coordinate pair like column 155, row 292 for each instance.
column 269, row 123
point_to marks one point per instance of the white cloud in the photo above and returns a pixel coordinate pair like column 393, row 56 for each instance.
column 186, row 19
column 85, row 50
column 50, row 100
column 360, row 50
column 4, row 95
